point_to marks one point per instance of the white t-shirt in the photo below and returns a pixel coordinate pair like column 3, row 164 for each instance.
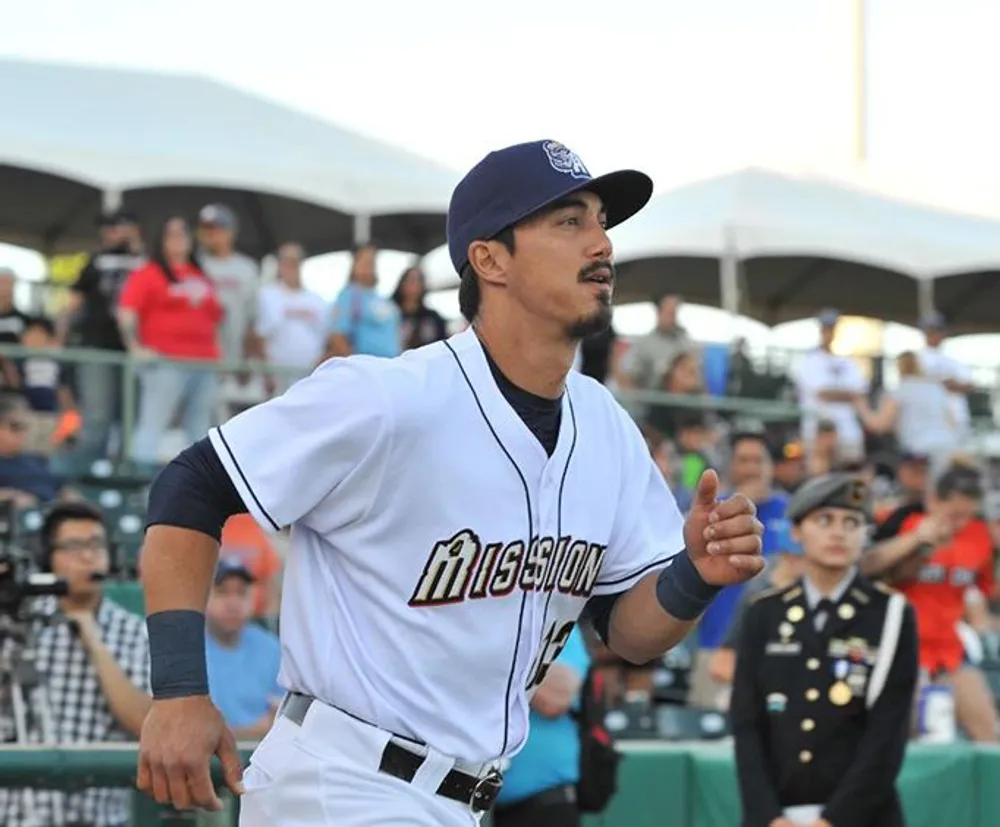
column 938, row 365
column 292, row 324
column 237, row 282
column 821, row 370
column 924, row 422
column 439, row 557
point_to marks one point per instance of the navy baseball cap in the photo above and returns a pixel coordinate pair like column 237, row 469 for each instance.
column 510, row 184
column 933, row 322
column 829, row 317
column 232, row 566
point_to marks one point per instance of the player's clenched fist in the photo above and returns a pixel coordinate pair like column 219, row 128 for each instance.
column 179, row 738
column 723, row 538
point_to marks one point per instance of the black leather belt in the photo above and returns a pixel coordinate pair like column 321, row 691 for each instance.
column 401, row 763
column 552, row 797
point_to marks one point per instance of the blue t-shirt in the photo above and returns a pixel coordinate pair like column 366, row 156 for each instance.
column 243, row 679
column 551, row 755
column 40, row 381
column 370, row 322
column 30, row 474
column 777, row 537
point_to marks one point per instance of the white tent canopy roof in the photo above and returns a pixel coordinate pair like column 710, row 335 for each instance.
column 117, row 129
column 757, row 212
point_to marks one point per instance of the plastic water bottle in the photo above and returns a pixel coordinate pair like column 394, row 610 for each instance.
column 936, row 715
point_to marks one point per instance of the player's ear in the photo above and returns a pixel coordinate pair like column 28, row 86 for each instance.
column 489, row 260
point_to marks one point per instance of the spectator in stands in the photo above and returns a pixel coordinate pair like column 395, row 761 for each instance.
column 245, row 540
column 784, row 567
column 788, row 459
column 90, row 321
column 683, row 378
column 919, row 412
column 169, row 309
column 24, row 478
column 237, row 281
column 12, row 323
column 829, row 387
column 94, row 658
column 956, row 377
column 243, row 658
column 823, row 454
column 539, row 788
column 695, row 449
column 750, row 474
column 934, row 552
column 912, row 476
column 361, row 320
column 666, row 458
column 598, row 354
column 44, row 385
column 291, row 321
column 419, row 324
column 647, row 361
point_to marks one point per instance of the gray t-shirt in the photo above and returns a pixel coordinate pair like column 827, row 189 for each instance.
column 237, row 280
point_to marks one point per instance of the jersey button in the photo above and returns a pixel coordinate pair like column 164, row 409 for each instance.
column 805, row 756
column 812, row 663
column 808, row 725
column 812, row 694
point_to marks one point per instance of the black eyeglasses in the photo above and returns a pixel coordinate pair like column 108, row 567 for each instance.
column 82, row 544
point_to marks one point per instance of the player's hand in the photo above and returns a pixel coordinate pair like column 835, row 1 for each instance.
column 723, row 539
column 781, row 822
column 179, row 738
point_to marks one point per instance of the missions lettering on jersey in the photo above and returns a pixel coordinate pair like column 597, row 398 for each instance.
column 462, row 567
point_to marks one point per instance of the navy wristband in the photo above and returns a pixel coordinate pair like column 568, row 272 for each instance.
column 177, row 654
column 681, row 591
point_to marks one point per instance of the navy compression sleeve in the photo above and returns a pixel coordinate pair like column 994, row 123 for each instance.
column 194, row 491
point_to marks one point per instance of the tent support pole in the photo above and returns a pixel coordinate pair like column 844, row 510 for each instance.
column 925, row 297
column 729, row 282
column 362, row 229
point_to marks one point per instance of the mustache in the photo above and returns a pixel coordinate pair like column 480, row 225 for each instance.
column 604, row 264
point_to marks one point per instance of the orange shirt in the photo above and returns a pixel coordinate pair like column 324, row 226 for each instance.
column 938, row 592
column 242, row 537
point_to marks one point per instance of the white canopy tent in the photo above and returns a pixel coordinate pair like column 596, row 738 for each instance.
column 76, row 138
column 779, row 246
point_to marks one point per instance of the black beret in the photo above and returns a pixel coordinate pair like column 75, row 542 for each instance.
column 830, row 491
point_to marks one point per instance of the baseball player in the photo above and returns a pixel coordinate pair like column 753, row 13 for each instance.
column 452, row 512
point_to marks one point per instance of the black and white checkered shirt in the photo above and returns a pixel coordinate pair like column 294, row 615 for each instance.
column 80, row 714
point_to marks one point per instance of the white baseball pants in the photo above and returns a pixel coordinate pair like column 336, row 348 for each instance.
column 325, row 773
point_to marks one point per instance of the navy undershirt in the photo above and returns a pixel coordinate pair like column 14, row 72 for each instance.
column 542, row 416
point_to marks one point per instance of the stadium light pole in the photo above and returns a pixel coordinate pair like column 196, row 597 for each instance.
column 860, row 81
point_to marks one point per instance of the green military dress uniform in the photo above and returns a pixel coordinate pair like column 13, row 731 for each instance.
column 819, row 717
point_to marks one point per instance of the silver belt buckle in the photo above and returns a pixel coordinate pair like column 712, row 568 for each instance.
column 485, row 793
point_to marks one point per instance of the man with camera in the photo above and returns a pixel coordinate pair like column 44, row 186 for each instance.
column 92, row 657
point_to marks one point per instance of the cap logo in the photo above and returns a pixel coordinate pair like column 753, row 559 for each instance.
column 857, row 493
column 565, row 161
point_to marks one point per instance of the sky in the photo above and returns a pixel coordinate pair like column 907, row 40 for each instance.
column 679, row 89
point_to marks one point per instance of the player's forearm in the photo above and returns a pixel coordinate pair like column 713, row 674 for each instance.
column 838, row 395
column 177, row 568
column 640, row 628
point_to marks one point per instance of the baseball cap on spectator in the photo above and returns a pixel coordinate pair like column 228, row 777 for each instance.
column 117, row 218
column 513, row 183
column 232, row 567
column 933, row 322
column 828, row 317
column 218, row 215
column 959, row 478
column 787, row 451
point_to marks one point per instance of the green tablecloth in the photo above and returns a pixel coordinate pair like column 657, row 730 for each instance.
column 662, row 785
column 694, row 785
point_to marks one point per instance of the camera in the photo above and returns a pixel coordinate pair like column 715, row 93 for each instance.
column 18, row 580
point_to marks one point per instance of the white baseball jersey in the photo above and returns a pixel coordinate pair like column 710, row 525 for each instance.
column 439, row 557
